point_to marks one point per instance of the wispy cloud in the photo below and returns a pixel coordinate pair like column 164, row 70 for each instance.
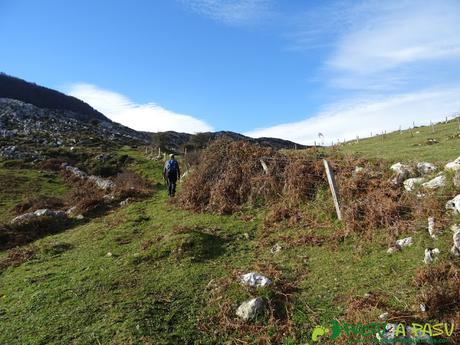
column 231, row 12
column 143, row 117
column 361, row 117
column 380, row 45
column 392, row 63
column 389, row 36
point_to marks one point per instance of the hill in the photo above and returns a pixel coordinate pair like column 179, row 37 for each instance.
column 43, row 97
column 176, row 142
column 63, row 107
column 437, row 143
column 150, row 271
column 92, row 251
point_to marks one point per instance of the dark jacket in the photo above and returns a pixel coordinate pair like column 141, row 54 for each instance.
column 177, row 169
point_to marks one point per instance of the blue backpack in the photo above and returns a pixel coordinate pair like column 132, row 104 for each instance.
column 171, row 167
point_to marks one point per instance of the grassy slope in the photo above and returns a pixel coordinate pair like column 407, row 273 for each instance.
column 17, row 185
column 411, row 145
column 148, row 292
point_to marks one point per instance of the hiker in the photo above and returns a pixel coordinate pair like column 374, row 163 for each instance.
column 171, row 173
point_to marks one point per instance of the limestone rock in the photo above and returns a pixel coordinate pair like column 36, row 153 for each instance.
column 454, row 165
column 30, row 216
column 437, row 182
column 454, row 204
column 255, row 280
column 250, row 309
column 430, row 255
column 411, row 183
column 425, row 168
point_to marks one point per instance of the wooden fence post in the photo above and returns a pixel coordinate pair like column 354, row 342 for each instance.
column 264, row 166
column 333, row 187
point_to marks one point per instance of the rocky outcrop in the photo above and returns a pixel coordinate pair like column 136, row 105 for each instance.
column 31, row 216
column 100, row 182
column 32, row 131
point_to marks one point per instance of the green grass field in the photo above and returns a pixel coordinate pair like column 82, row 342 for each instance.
column 160, row 282
column 411, row 145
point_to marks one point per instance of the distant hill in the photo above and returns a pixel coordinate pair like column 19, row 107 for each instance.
column 176, row 142
column 42, row 97
column 29, row 111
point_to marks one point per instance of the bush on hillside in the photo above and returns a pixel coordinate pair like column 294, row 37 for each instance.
column 41, row 202
column 230, row 174
column 128, row 184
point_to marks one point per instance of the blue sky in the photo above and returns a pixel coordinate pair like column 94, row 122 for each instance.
column 288, row 69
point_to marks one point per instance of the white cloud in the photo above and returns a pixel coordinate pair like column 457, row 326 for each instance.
column 380, row 45
column 232, row 12
column 143, row 117
column 361, row 117
column 388, row 35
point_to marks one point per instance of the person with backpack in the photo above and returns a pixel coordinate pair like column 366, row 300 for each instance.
column 171, row 173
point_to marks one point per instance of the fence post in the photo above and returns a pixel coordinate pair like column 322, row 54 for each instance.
column 333, row 187
column 264, row 166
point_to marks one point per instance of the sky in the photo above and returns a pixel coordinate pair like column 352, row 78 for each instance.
column 281, row 68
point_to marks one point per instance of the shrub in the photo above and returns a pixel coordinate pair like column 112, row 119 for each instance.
column 31, row 205
column 131, row 185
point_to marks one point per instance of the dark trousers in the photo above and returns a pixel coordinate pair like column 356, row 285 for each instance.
column 172, row 185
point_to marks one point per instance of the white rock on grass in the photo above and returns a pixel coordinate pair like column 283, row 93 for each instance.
column 454, row 204
column 431, row 228
column 250, row 309
column 438, row 181
column 255, row 280
column 384, row 316
column 74, row 170
column 30, row 216
column 400, row 244
column 392, row 250
column 430, row 255
column 425, row 168
column 454, row 165
column 102, row 183
column 405, row 242
column 126, row 201
column 411, row 183
column 276, row 248
column 401, row 171
column 455, row 250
